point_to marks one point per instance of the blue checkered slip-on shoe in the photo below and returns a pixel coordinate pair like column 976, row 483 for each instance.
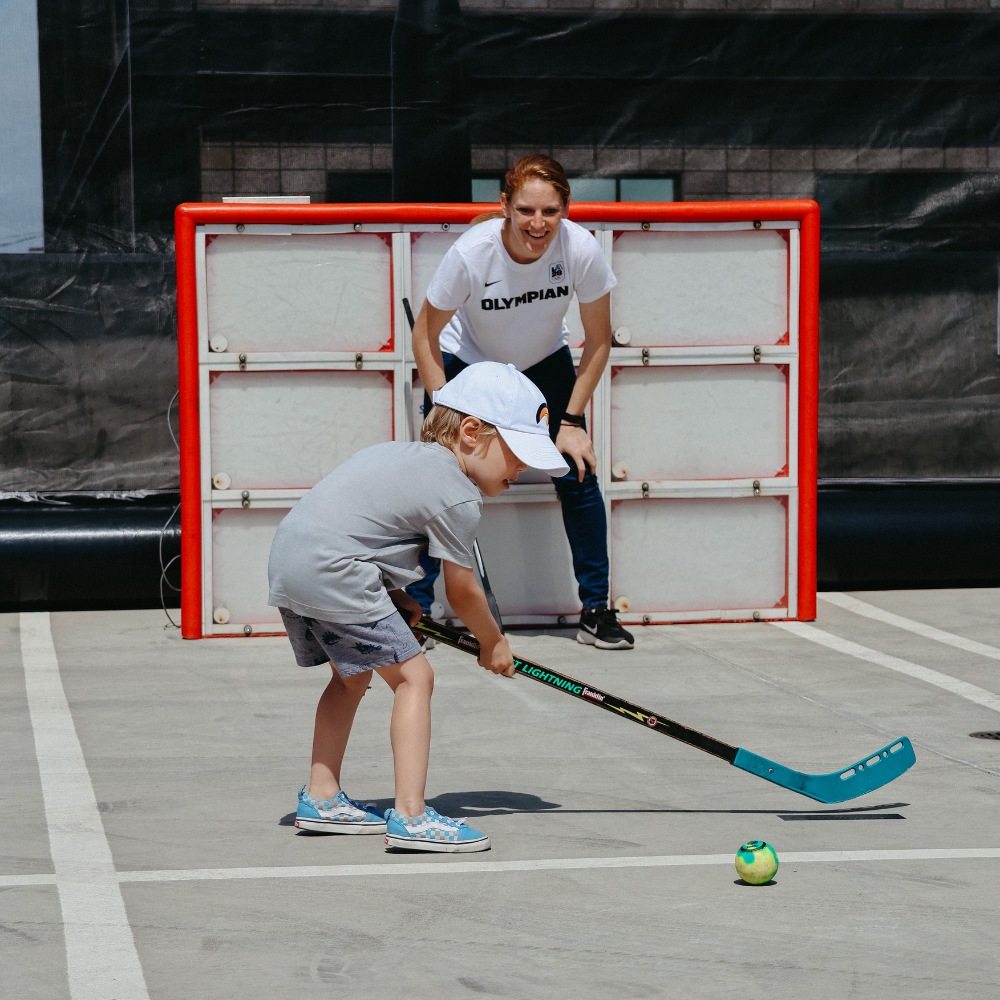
column 337, row 815
column 432, row 832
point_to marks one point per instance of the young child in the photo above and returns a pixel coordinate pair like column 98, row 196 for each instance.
column 342, row 556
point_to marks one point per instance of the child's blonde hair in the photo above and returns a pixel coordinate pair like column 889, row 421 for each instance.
column 442, row 425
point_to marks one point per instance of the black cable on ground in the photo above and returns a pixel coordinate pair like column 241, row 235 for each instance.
column 173, row 514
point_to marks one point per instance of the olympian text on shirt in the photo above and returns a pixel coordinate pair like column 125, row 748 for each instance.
column 526, row 299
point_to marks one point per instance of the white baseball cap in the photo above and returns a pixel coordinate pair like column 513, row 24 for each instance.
column 502, row 396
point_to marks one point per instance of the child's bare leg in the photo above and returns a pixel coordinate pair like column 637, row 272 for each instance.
column 412, row 683
column 334, row 717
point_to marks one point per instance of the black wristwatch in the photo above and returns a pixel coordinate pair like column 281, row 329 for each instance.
column 574, row 420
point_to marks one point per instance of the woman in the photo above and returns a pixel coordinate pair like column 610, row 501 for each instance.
column 501, row 294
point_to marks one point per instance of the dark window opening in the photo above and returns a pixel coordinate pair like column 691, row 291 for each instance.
column 359, row 186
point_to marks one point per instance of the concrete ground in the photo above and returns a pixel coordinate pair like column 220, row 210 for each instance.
column 195, row 752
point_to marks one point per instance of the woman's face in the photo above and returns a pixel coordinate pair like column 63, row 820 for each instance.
column 534, row 213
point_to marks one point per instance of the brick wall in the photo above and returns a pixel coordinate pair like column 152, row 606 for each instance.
column 707, row 173
column 232, row 168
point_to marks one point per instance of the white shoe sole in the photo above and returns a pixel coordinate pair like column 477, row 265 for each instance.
column 444, row 846
column 330, row 826
column 590, row 639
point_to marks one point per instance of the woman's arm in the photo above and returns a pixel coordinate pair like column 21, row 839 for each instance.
column 426, row 350
column 575, row 441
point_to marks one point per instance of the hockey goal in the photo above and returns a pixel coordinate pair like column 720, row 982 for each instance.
column 295, row 352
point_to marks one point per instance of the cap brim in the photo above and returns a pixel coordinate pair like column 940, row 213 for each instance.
column 536, row 450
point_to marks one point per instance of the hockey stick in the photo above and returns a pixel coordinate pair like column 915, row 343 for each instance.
column 409, row 312
column 864, row 776
column 487, row 589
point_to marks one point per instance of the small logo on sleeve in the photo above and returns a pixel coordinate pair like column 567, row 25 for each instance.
column 543, row 411
column 557, row 272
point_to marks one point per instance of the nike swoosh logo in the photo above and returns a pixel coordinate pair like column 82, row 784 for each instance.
column 488, row 283
column 593, row 631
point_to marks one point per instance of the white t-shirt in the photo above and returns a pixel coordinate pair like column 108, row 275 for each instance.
column 515, row 313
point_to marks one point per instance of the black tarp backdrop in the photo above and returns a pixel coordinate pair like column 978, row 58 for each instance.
column 431, row 151
column 136, row 96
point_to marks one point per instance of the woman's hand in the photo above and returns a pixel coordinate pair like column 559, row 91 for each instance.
column 407, row 606
column 575, row 442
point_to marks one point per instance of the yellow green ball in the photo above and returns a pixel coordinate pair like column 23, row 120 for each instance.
column 756, row 862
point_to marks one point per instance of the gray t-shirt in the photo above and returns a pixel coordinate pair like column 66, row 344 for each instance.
column 359, row 532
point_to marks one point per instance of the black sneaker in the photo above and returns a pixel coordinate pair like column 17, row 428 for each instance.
column 599, row 627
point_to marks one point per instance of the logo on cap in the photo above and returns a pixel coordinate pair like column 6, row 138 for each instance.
column 543, row 411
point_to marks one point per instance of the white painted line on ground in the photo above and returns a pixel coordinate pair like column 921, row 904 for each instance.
column 6, row 881
column 849, row 603
column 546, row 864
column 101, row 959
column 970, row 692
column 484, row 867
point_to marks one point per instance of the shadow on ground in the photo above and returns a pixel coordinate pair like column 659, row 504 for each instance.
column 500, row 803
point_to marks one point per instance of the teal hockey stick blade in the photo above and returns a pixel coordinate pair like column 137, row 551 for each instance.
column 866, row 775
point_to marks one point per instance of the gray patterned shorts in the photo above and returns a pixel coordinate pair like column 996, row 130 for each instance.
column 352, row 649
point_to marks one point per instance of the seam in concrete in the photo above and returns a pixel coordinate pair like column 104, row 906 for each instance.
column 919, row 628
column 101, row 958
column 971, row 692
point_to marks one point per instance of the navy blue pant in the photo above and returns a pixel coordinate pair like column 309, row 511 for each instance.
column 582, row 504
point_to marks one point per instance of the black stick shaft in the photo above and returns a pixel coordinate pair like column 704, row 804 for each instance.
column 491, row 600
column 592, row 695
column 409, row 312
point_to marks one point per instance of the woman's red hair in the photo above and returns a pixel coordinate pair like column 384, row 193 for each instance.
column 539, row 167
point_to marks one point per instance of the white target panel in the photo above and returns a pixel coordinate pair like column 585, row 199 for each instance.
column 700, row 422
column 694, row 288
column 511, row 535
column 274, row 429
column 700, row 554
column 330, row 292
column 241, row 541
column 427, row 250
